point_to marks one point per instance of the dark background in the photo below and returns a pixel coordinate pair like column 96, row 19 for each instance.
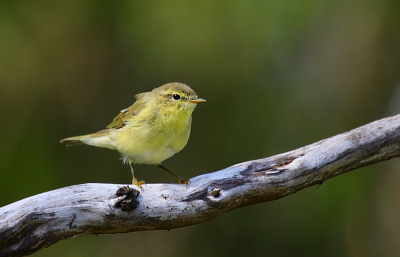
column 277, row 75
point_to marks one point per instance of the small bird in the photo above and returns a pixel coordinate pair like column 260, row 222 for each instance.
column 151, row 130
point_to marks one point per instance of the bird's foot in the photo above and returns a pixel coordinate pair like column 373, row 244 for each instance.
column 138, row 183
column 180, row 180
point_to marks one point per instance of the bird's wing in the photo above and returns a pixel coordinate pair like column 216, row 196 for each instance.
column 129, row 112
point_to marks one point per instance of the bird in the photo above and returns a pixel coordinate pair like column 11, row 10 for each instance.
column 155, row 127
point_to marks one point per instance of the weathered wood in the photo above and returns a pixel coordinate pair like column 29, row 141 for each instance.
column 36, row 222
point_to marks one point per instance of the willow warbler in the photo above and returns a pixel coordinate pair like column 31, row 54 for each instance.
column 153, row 129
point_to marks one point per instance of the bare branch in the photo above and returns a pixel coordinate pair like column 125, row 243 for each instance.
column 41, row 220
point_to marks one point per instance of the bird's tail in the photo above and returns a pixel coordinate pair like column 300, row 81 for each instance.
column 71, row 141
column 99, row 139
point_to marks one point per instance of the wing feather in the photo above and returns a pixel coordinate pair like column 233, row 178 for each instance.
column 130, row 112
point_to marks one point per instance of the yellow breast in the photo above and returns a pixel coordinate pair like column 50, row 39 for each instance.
column 151, row 138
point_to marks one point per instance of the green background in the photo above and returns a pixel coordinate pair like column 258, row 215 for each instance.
column 277, row 75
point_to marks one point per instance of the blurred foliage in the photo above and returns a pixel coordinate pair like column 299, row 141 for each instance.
column 277, row 75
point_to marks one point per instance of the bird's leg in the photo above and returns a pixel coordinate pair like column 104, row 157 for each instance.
column 179, row 179
column 134, row 180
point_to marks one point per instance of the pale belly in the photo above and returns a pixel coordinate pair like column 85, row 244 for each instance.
column 150, row 156
column 138, row 148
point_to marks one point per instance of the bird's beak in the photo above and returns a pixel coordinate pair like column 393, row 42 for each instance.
column 197, row 100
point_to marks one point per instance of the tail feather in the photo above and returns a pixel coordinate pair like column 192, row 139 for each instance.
column 71, row 141
column 99, row 139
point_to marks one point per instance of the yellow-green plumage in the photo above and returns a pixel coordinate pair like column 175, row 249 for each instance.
column 153, row 129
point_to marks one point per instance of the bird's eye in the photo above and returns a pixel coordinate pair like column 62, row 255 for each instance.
column 176, row 97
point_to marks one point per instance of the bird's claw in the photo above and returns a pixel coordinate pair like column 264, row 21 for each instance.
column 138, row 183
column 181, row 180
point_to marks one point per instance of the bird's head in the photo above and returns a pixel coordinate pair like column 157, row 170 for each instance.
column 177, row 97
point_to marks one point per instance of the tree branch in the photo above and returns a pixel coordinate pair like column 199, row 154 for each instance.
column 41, row 220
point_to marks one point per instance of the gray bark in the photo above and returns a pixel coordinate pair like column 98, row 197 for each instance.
column 36, row 222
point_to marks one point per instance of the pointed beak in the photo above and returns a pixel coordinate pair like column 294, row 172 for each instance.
column 197, row 100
